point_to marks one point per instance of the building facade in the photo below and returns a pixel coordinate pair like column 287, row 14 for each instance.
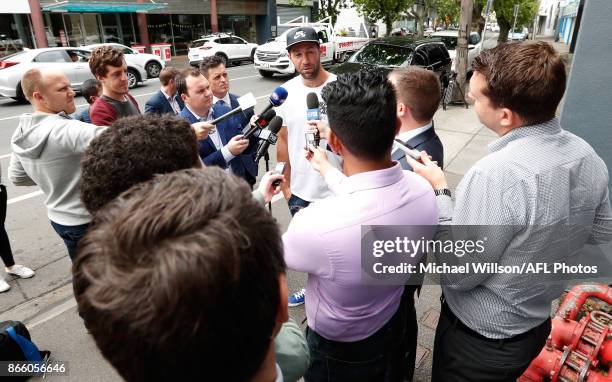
column 567, row 20
column 43, row 23
column 547, row 20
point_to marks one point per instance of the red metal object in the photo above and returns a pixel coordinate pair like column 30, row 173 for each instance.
column 576, row 351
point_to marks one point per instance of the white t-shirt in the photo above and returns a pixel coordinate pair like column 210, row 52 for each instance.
column 306, row 182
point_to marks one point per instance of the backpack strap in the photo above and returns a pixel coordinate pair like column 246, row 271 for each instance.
column 30, row 351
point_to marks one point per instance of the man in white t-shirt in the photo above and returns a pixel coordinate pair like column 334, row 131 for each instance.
column 304, row 185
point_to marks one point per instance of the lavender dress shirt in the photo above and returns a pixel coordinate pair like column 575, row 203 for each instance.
column 324, row 240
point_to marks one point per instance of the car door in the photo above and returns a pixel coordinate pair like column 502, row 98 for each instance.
column 58, row 59
column 227, row 47
column 81, row 66
column 326, row 46
column 240, row 47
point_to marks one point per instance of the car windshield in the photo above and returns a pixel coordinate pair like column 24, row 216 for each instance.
column 382, row 55
column 449, row 41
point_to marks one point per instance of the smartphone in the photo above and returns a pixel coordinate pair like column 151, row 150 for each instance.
column 279, row 169
column 414, row 154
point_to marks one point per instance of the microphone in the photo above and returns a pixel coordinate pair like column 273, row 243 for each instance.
column 245, row 102
column 260, row 123
column 278, row 96
column 268, row 137
column 313, row 113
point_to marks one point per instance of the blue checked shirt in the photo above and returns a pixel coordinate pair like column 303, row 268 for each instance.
column 534, row 176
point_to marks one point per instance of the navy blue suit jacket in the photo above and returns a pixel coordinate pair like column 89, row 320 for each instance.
column 428, row 141
column 243, row 165
column 159, row 104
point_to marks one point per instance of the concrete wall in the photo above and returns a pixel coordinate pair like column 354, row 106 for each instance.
column 587, row 110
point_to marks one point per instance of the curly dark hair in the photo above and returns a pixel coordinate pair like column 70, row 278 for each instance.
column 131, row 151
column 161, row 269
column 103, row 56
column 361, row 108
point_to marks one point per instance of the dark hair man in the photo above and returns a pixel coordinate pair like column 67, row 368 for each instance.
column 91, row 90
column 536, row 175
column 304, row 185
column 362, row 327
column 46, row 151
column 108, row 66
column 162, row 269
column 243, row 165
column 217, row 149
column 166, row 100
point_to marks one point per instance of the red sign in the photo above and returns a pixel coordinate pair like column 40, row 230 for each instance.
column 167, row 54
column 323, row 50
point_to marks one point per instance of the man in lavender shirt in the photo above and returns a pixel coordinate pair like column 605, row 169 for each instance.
column 356, row 331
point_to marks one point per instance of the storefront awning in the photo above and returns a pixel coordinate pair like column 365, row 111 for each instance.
column 101, row 7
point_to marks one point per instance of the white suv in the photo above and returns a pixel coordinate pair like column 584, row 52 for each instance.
column 230, row 48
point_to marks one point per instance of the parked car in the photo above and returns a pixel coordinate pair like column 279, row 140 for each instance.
column 387, row 53
column 71, row 61
column 451, row 39
column 151, row 63
column 230, row 48
column 518, row 35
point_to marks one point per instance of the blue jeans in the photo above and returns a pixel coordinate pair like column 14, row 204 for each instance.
column 296, row 203
column 71, row 234
column 379, row 357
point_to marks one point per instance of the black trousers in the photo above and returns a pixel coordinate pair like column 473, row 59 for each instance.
column 378, row 358
column 461, row 355
column 5, row 245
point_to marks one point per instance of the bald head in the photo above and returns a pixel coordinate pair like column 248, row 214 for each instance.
column 48, row 90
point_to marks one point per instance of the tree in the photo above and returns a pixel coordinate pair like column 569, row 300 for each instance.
column 447, row 10
column 388, row 11
column 326, row 8
column 467, row 7
column 504, row 12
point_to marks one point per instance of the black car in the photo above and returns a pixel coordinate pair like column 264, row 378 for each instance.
column 388, row 53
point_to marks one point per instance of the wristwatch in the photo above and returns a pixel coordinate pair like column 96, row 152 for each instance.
column 443, row 191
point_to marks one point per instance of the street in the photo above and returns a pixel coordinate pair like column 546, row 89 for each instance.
column 45, row 302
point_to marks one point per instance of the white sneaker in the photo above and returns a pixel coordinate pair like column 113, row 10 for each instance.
column 20, row 271
column 4, row 285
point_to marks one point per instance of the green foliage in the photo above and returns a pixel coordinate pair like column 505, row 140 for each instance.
column 447, row 10
column 386, row 10
column 527, row 10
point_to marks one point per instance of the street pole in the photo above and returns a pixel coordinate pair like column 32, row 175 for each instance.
column 467, row 6
column 484, row 31
column 516, row 11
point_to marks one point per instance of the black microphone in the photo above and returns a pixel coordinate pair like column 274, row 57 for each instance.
column 278, row 96
column 313, row 113
column 260, row 123
column 268, row 137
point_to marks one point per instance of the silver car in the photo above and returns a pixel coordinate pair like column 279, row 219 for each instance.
column 73, row 62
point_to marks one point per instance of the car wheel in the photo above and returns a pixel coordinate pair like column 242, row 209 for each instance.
column 132, row 78
column 266, row 74
column 153, row 68
column 19, row 97
column 223, row 57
